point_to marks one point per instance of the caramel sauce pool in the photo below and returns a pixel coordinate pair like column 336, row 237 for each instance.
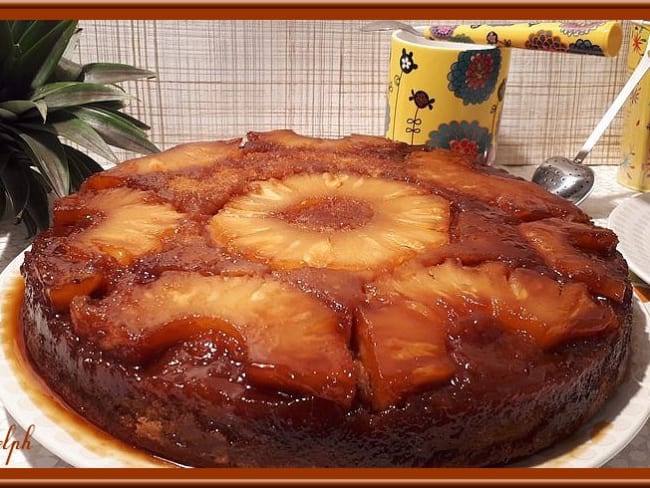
column 85, row 433
column 597, row 432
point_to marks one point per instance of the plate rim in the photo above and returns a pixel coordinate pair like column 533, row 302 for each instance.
column 612, row 223
column 59, row 441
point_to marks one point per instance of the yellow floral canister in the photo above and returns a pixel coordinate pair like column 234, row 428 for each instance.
column 446, row 94
column 634, row 169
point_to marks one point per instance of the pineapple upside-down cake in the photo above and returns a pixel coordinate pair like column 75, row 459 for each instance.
column 291, row 301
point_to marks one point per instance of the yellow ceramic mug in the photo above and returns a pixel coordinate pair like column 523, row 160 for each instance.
column 446, row 94
column 634, row 169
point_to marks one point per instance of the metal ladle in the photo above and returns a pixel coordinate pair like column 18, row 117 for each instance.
column 571, row 179
column 385, row 25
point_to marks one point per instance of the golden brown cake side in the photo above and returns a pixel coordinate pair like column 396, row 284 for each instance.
column 305, row 302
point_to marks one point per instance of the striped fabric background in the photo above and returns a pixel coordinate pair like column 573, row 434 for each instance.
column 222, row 78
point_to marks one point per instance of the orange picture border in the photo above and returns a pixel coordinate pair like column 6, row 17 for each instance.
column 336, row 9
column 288, row 477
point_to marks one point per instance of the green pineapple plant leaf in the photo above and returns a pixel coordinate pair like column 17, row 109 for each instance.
column 48, row 105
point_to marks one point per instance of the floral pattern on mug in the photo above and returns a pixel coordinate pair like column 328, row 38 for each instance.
column 579, row 28
column 406, row 65
column 406, row 62
column 492, row 38
column 634, row 169
column 637, row 42
column 462, row 137
column 627, row 165
column 443, row 31
column 545, row 40
column 584, row 46
column 473, row 76
column 421, row 100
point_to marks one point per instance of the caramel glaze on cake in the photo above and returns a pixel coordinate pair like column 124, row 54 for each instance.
column 303, row 302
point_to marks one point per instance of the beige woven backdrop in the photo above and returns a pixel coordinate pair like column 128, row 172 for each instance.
column 222, row 78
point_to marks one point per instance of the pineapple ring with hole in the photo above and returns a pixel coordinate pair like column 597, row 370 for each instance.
column 403, row 220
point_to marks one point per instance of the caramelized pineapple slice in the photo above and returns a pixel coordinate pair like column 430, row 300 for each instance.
column 402, row 350
column 559, row 245
column 63, row 271
column 131, row 224
column 337, row 221
column 516, row 197
column 521, row 300
column 181, row 157
column 62, row 294
column 293, row 342
column 290, row 140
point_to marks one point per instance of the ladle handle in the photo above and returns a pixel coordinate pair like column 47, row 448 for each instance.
column 613, row 109
column 391, row 25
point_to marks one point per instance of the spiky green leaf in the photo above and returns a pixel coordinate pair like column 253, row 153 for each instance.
column 7, row 114
column 9, row 138
column 48, row 155
column 67, row 70
column 38, row 204
column 41, row 106
column 36, row 31
column 3, row 202
column 73, row 43
column 87, row 165
column 138, row 123
column 116, row 130
column 18, row 27
column 115, row 106
column 50, row 63
column 40, row 179
column 20, row 107
column 36, row 50
column 6, row 40
column 113, row 73
column 30, row 225
column 76, row 177
column 81, row 166
column 79, row 132
column 51, row 88
column 4, row 159
column 17, row 187
column 70, row 94
column 10, row 72
column 28, row 127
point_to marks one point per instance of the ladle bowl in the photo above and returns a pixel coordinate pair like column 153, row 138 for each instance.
column 565, row 178
column 571, row 179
